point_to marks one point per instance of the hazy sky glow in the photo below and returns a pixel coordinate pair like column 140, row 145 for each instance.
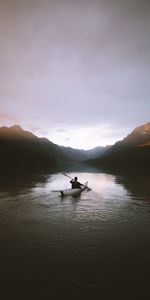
column 76, row 72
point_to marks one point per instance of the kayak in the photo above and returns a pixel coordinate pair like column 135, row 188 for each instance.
column 74, row 191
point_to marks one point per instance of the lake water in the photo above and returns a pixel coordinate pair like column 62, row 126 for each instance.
column 95, row 246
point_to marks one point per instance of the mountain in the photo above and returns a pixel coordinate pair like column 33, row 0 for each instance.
column 21, row 149
column 137, row 137
column 28, row 141
column 18, row 158
column 132, row 152
column 81, row 155
column 96, row 152
column 19, row 137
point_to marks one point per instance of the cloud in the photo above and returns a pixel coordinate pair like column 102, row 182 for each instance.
column 82, row 63
column 88, row 137
column 8, row 118
column 62, row 131
column 43, row 133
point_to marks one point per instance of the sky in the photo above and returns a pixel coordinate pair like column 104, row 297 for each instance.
column 76, row 72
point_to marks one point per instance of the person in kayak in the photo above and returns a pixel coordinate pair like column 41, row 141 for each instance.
column 75, row 183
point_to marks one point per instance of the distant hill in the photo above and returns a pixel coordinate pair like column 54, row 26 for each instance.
column 80, row 155
column 132, row 152
column 96, row 152
column 22, row 149
column 18, row 158
column 27, row 140
column 19, row 151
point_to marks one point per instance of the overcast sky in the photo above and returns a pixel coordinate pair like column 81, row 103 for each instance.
column 76, row 72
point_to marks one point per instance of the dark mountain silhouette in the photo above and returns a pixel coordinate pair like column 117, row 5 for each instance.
column 16, row 140
column 26, row 142
column 96, row 152
column 19, row 151
column 81, row 155
column 17, row 157
column 22, row 149
column 132, row 152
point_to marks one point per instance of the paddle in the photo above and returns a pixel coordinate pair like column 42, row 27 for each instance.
column 66, row 175
column 89, row 189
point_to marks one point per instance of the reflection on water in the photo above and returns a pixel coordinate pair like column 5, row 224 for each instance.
column 138, row 186
column 95, row 244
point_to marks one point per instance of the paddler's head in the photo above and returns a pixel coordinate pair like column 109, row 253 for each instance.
column 76, row 178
